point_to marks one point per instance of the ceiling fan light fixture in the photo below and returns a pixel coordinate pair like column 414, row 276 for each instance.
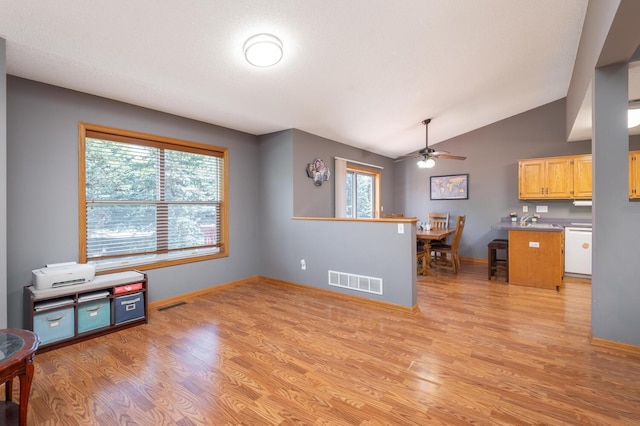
column 428, row 155
column 263, row 50
column 426, row 164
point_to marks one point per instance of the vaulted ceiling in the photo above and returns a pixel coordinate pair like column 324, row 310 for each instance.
column 361, row 72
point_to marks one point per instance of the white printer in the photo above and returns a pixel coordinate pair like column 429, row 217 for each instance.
column 62, row 274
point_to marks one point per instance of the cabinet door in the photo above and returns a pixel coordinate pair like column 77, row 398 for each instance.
column 559, row 178
column 531, row 182
column 634, row 174
column 582, row 183
column 536, row 258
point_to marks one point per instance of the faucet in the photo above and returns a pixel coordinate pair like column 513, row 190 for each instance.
column 524, row 219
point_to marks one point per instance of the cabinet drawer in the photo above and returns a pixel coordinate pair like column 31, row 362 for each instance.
column 129, row 307
column 55, row 325
column 93, row 315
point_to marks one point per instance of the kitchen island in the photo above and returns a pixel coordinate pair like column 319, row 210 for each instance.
column 536, row 254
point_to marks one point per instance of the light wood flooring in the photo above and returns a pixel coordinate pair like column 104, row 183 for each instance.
column 476, row 352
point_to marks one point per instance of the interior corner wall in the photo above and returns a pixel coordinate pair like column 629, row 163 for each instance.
column 42, row 190
column 3, row 184
column 319, row 201
column 345, row 246
column 276, row 202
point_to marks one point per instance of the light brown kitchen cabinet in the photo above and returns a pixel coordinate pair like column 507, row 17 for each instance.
column 545, row 178
column 536, row 258
column 582, row 183
column 567, row 177
column 634, row 174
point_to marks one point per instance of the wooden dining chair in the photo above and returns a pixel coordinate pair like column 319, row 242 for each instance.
column 438, row 220
column 422, row 257
column 446, row 256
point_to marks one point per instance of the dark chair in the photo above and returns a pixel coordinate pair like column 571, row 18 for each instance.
column 496, row 263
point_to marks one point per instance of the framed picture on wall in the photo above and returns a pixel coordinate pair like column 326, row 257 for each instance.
column 450, row 187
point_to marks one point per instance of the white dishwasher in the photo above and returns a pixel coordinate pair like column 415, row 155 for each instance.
column 577, row 250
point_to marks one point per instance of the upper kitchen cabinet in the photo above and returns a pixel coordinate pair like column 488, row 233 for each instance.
column 582, row 183
column 549, row 178
column 634, row 174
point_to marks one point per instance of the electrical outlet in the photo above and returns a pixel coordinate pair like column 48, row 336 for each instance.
column 525, row 209
column 303, row 264
column 542, row 209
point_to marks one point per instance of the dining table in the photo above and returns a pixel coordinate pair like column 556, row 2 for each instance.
column 431, row 235
column 17, row 349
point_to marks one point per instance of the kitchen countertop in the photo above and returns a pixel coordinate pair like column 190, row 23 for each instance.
column 515, row 226
column 545, row 225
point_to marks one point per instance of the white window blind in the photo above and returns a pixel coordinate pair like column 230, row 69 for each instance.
column 148, row 201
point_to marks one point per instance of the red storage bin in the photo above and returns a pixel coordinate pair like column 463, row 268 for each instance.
column 127, row 288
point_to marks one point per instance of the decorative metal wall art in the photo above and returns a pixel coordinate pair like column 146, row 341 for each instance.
column 318, row 171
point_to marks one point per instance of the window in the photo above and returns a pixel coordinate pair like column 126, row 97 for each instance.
column 149, row 201
column 362, row 188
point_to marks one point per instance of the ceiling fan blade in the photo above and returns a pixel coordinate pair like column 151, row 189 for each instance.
column 406, row 156
column 449, row 156
column 426, row 152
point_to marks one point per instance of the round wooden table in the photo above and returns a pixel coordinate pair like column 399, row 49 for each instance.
column 17, row 349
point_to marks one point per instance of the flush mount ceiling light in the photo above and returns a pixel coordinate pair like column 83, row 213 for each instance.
column 263, row 50
column 633, row 114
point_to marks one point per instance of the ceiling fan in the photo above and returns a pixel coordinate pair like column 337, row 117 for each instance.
column 428, row 155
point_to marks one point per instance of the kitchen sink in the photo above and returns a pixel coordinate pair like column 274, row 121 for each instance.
column 540, row 225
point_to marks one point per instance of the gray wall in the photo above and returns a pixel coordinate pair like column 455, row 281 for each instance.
column 276, row 203
column 492, row 164
column 365, row 248
column 319, row 201
column 3, row 184
column 615, row 282
column 42, row 197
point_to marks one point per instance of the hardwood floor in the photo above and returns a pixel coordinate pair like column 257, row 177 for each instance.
column 476, row 352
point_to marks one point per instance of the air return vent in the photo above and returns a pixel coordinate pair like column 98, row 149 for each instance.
column 355, row 282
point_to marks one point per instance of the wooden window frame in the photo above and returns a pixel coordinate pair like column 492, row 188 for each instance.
column 377, row 178
column 138, row 138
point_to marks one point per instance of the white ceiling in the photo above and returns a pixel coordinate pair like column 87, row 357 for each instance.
column 361, row 72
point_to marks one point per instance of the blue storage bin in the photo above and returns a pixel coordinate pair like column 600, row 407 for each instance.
column 129, row 307
column 93, row 315
column 52, row 326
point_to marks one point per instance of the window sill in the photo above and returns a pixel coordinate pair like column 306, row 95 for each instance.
column 158, row 260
